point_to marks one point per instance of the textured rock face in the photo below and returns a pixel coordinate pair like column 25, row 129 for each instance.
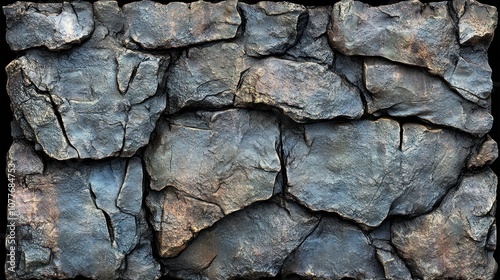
column 216, row 163
column 55, row 26
column 80, row 219
column 228, row 140
column 303, row 91
column 468, row 213
column 156, row 26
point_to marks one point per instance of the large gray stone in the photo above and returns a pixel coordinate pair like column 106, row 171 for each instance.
column 156, row 26
column 476, row 22
column 452, row 241
column 56, row 26
column 391, row 31
column 334, row 250
column 206, row 77
column 216, row 163
column 89, row 102
column 70, row 220
column 402, row 170
column 272, row 27
column 404, row 91
column 313, row 44
column 249, row 244
column 302, row 90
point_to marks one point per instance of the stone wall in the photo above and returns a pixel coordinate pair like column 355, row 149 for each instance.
column 229, row 140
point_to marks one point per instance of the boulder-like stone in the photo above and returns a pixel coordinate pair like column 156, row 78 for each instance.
column 250, row 244
column 313, row 44
column 70, row 220
column 216, row 163
column 403, row 91
column 206, row 76
column 56, row 26
column 272, row 27
column 334, row 250
column 302, row 90
column 89, row 102
column 476, row 21
column 391, row 31
column 485, row 154
column 403, row 170
column 157, row 26
column 24, row 159
column 451, row 242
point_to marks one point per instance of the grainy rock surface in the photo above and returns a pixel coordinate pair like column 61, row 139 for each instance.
column 51, row 25
column 230, row 140
column 157, row 26
column 216, row 163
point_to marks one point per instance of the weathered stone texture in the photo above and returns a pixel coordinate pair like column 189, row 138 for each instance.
column 52, row 25
column 231, row 140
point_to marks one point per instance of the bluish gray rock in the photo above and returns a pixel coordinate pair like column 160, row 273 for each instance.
column 250, row 243
column 301, row 90
column 56, row 26
column 451, row 242
column 216, row 163
column 272, row 27
column 157, row 26
column 334, row 250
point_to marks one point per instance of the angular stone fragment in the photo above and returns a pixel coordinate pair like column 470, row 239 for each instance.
column 216, row 163
column 404, row 91
column 69, row 224
column 156, row 26
column 486, row 154
column 476, row 21
column 24, row 159
column 313, row 44
column 404, row 175
column 206, row 77
column 78, row 105
column 302, row 90
column 250, row 244
column 334, row 250
column 272, row 27
column 56, row 26
column 391, row 31
column 451, row 242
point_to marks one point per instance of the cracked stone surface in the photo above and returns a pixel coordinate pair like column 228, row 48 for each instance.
column 452, row 240
column 251, row 243
column 409, row 167
column 232, row 161
column 88, row 102
column 302, row 90
column 403, row 91
column 73, row 219
column 335, row 250
column 229, row 140
column 156, row 26
column 206, row 77
column 55, row 26
column 272, row 28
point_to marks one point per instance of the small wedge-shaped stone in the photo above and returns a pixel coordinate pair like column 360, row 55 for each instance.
column 70, row 219
column 405, row 91
column 335, row 250
column 302, row 90
column 56, row 26
column 391, row 31
column 89, row 102
column 217, row 162
column 476, row 22
column 401, row 171
column 206, row 76
column 486, row 154
column 250, row 244
column 451, row 242
column 156, row 26
column 272, row 27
